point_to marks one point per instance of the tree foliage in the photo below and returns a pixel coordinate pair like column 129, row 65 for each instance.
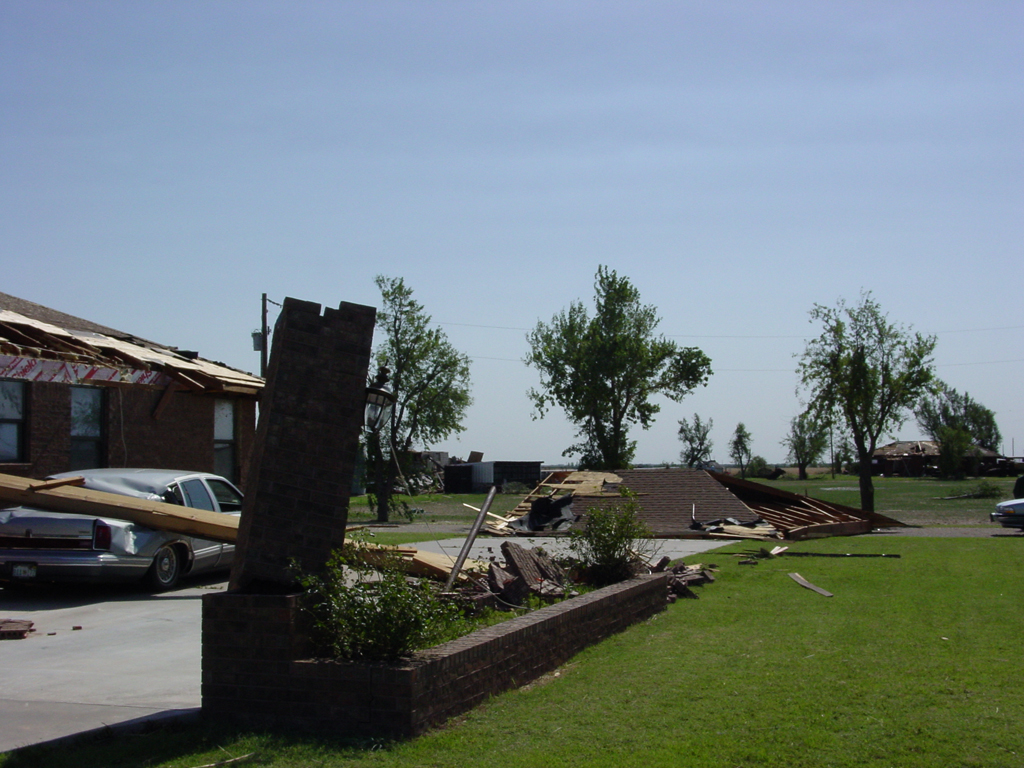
column 866, row 372
column 806, row 441
column 430, row 379
column 604, row 370
column 739, row 448
column 696, row 437
column 946, row 409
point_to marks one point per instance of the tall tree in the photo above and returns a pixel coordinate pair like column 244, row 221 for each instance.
column 696, row 437
column 603, row 370
column 739, row 448
column 806, row 441
column 867, row 372
column 947, row 408
column 430, row 379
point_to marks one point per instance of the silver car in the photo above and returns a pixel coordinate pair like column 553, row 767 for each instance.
column 36, row 545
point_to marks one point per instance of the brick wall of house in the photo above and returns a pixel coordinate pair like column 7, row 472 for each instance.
column 255, row 673
column 180, row 436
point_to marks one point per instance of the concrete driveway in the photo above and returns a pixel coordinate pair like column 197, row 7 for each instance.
column 99, row 657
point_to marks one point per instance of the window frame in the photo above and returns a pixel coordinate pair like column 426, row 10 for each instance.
column 97, row 443
column 20, row 423
column 225, row 446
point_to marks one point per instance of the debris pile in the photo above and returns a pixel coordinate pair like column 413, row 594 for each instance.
column 730, row 528
column 685, row 576
column 15, row 629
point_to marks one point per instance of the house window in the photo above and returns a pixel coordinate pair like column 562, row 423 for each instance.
column 224, row 439
column 86, row 427
column 12, row 421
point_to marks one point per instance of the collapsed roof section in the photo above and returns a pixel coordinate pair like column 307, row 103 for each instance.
column 672, row 500
column 41, row 344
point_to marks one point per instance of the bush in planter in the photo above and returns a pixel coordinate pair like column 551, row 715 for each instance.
column 374, row 612
column 612, row 541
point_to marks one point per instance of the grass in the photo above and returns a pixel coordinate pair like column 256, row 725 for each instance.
column 911, row 664
column 915, row 501
column 437, row 508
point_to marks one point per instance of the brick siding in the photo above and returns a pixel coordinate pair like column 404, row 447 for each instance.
column 180, row 437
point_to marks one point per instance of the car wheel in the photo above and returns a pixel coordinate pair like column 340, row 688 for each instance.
column 165, row 572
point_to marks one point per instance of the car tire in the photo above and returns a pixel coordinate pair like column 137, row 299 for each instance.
column 165, row 572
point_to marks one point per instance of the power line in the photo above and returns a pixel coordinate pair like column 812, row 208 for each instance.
column 736, row 336
column 770, row 370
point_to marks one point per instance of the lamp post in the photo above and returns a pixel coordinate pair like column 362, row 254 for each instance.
column 379, row 400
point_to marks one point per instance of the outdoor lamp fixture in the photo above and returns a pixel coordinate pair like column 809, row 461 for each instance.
column 379, row 399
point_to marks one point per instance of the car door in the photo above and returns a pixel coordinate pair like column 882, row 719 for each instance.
column 229, row 501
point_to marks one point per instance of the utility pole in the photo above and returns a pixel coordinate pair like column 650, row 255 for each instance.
column 263, row 347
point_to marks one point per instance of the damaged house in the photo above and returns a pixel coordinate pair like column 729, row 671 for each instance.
column 76, row 395
column 688, row 502
column 918, row 458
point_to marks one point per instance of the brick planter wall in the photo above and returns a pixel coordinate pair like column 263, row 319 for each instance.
column 256, row 669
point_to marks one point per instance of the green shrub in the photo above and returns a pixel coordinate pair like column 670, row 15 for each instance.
column 516, row 488
column 374, row 613
column 986, row 489
column 758, row 467
column 612, row 541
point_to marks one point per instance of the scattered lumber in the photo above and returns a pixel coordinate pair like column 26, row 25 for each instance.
column 805, row 583
column 685, row 576
column 760, row 532
column 419, row 562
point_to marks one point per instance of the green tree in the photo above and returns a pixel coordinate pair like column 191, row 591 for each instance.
column 806, row 441
column 758, row 466
column 603, row 370
column 696, row 437
column 867, row 372
column 739, row 448
column 430, row 379
column 955, row 445
column 945, row 408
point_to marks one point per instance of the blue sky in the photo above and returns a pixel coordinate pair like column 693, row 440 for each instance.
column 166, row 163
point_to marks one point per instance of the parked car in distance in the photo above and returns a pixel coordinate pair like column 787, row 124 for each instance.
column 1009, row 514
column 37, row 545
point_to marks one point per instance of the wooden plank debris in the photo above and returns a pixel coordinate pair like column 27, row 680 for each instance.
column 420, row 562
column 15, row 629
column 805, row 583
column 152, row 514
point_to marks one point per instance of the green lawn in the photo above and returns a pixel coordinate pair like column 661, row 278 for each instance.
column 915, row 501
column 437, row 508
column 913, row 663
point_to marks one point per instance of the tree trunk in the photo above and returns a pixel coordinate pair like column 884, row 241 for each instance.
column 801, row 471
column 867, row 489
